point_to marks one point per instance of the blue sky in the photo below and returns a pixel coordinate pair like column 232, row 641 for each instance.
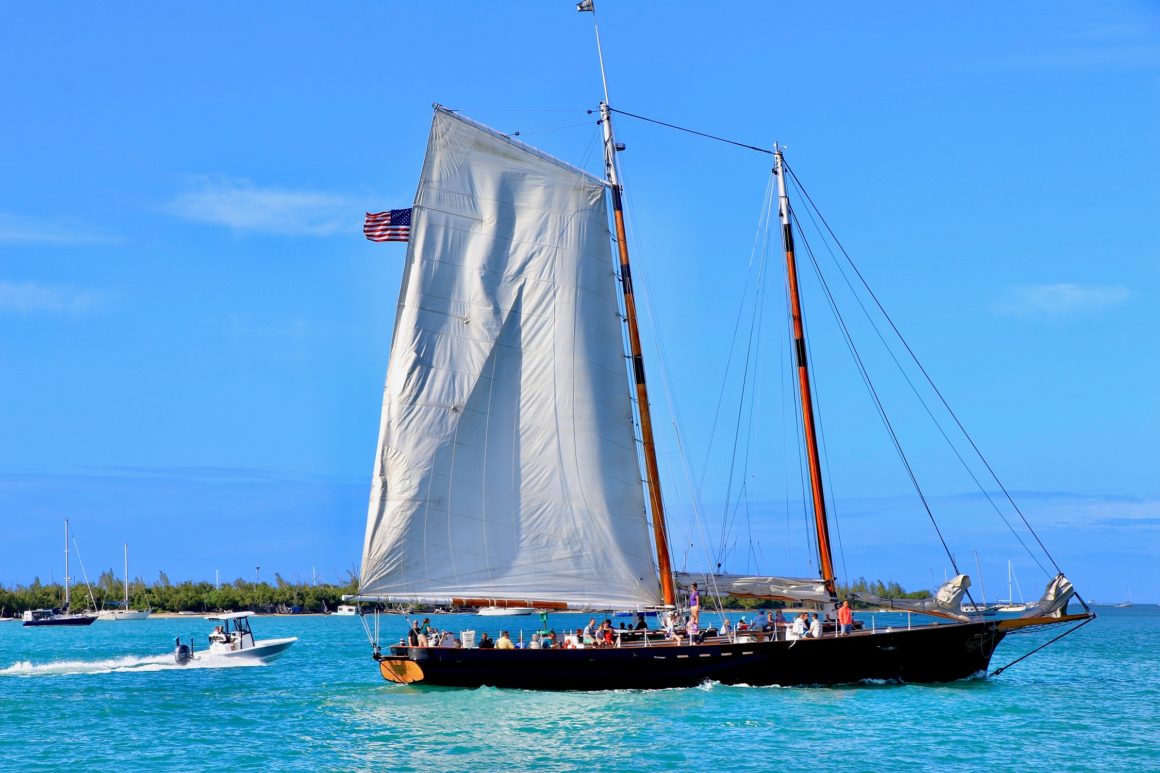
column 193, row 332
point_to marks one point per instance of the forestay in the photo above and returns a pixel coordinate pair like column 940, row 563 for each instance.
column 506, row 464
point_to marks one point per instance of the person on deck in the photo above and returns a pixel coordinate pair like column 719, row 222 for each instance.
column 695, row 603
column 590, row 629
column 845, row 618
column 413, row 634
column 535, row 644
column 815, row 627
column 799, row 626
column 486, row 642
column 779, row 619
column 640, row 622
column 504, row 642
column 726, row 627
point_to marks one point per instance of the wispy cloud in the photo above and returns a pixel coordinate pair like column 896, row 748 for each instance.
column 244, row 206
column 32, row 297
column 1125, row 44
column 1061, row 299
column 19, row 229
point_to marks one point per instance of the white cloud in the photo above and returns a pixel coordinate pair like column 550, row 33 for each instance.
column 29, row 297
column 1060, row 299
column 17, row 229
column 242, row 206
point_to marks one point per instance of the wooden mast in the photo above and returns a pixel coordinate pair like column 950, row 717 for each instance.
column 652, row 473
column 825, row 556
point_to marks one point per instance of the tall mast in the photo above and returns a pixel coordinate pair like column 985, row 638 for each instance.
column 126, row 576
column 67, row 579
column 652, row 472
column 825, row 556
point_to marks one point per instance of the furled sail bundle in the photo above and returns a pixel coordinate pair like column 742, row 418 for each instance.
column 506, row 467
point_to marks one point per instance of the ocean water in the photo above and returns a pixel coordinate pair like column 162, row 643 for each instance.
column 110, row 697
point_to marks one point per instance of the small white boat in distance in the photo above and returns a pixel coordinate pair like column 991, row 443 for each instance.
column 505, row 611
column 346, row 610
column 233, row 639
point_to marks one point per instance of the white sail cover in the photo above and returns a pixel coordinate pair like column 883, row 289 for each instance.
column 1055, row 599
column 947, row 602
column 506, row 466
column 795, row 588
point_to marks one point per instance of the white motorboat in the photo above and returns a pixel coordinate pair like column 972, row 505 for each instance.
column 346, row 610
column 505, row 611
column 233, row 638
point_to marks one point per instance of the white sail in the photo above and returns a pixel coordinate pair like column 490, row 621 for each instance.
column 506, row 464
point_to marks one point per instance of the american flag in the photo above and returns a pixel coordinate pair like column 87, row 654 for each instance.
column 392, row 226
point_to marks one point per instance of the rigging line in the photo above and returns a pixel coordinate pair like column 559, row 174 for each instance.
column 666, row 381
column 918, row 395
column 811, row 211
column 874, row 394
column 546, row 128
column 929, row 380
column 749, row 356
column 760, row 254
column 1001, row 669
column 753, row 400
column 692, row 131
column 758, row 236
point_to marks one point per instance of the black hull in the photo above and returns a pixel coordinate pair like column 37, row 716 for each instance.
column 939, row 653
column 78, row 620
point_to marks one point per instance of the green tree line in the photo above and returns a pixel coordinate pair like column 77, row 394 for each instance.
column 187, row 596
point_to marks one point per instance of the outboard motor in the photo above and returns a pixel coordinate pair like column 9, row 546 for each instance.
column 182, row 653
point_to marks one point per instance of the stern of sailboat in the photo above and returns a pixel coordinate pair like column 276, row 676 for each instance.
column 399, row 669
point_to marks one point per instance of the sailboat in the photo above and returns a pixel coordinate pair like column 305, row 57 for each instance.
column 125, row 612
column 62, row 616
column 1011, row 605
column 507, row 470
column 1126, row 602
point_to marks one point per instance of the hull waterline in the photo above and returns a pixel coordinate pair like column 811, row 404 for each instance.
column 71, row 620
column 937, row 653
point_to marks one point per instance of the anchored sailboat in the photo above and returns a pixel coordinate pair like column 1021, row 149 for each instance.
column 125, row 612
column 64, row 615
column 507, row 471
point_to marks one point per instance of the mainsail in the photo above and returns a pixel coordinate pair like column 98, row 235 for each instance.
column 506, row 466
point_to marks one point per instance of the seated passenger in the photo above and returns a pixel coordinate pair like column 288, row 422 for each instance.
column 486, row 642
column 816, row 627
column 779, row 619
column 504, row 642
column 535, row 643
column 640, row 623
column 726, row 627
column 799, row 626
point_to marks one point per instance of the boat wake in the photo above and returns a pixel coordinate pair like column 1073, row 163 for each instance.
column 127, row 664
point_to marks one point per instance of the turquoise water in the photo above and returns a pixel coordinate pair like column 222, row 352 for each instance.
column 110, row 696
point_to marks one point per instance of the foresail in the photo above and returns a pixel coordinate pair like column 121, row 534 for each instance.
column 506, row 464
